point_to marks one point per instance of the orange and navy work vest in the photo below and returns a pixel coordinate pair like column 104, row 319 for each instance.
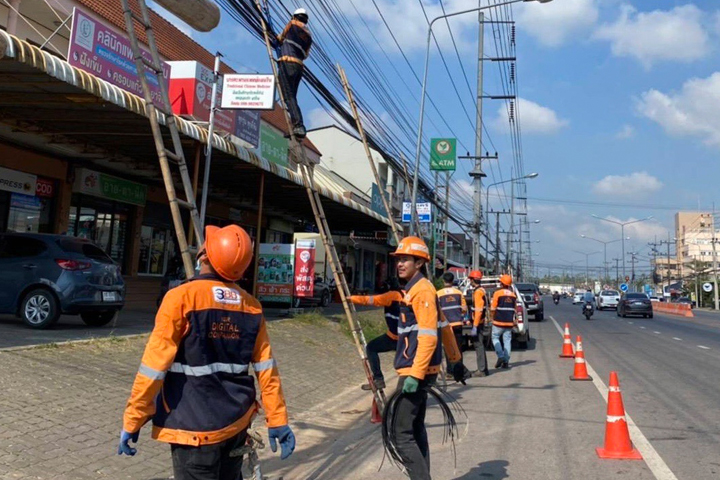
column 478, row 307
column 503, row 304
column 452, row 305
column 418, row 351
column 391, row 301
column 193, row 380
column 296, row 41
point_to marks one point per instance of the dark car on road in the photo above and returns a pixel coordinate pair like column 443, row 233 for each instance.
column 322, row 294
column 43, row 276
column 635, row 304
column 533, row 300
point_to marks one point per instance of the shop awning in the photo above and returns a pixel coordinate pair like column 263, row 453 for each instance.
column 82, row 118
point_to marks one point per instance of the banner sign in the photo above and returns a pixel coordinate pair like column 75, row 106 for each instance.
column 247, row 91
column 27, row 202
column 273, row 146
column 407, row 212
column 304, row 267
column 377, row 205
column 247, row 126
column 424, row 212
column 102, row 185
column 17, row 182
column 275, row 273
column 96, row 48
column 442, row 154
column 45, row 188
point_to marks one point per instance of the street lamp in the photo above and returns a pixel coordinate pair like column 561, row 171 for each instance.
column 587, row 266
column 605, row 244
column 413, row 211
column 622, row 232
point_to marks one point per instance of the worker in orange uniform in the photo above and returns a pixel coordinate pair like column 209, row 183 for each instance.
column 388, row 341
column 418, row 357
column 502, row 311
column 478, row 320
column 453, row 308
column 193, row 381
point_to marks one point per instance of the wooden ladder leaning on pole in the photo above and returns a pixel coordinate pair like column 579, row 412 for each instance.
column 306, row 169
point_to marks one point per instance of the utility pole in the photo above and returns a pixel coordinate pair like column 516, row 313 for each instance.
column 654, row 253
column 632, row 266
column 617, row 271
column 715, row 274
column 447, row 207
column 512, row 220
column 477, row 172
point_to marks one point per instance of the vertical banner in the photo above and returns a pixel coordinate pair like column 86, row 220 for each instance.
column 304, row 267
column 275, row 273
column 442, row 154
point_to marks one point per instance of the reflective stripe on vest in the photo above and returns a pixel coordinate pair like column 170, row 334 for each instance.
column 409, row 330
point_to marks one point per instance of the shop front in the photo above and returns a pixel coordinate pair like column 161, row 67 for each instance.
column 26, row 202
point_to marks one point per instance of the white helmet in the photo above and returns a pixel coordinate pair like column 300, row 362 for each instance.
column 300, row 11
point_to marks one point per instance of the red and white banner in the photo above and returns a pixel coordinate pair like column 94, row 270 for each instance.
column 304, row 267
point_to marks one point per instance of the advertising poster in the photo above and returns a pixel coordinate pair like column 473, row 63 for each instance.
column 275, row 273
column 246, row 91
column 304, row 267
column 99, row 50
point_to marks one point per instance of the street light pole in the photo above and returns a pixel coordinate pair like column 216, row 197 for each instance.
column 587, row 265
column 622, row 232
column 413, row 209
column 605, row 244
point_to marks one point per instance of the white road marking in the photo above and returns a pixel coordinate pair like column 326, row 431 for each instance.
column 652, row 458
column 643, row 328
column 630, row 323
column 676, row 338
column 703, row 347
column 656, row 332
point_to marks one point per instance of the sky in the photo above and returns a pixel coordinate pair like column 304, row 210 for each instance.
column 618, row 104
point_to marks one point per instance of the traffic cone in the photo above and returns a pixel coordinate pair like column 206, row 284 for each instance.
column 617, row 436
column 580, row 366
column 375, row 416
column 567, row 349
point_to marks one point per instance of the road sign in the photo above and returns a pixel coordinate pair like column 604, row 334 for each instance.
column 423, row 212
column 442, row 154
column 624, row 287
column 707, row 287
column 406, row 212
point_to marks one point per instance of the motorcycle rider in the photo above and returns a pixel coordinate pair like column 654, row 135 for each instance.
column 588, row 298
column 556, row 297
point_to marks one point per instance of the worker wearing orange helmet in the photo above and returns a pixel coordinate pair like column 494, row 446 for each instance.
column 193, row 380
column 418, row 356
column 479, row 317
column 502, row 311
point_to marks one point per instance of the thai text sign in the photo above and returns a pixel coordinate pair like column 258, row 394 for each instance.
column 102, row 185
column 377, row 204
column 423, row 210
column 275, row 273
column 247, row 126
column 99, row 50
column 273, row 146
column 442, row 154
column 248, row 92
column 304, row 267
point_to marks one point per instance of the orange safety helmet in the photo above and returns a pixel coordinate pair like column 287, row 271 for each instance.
column 229, row 250
column 506, row 280
column 412, row 246
column 475, row 275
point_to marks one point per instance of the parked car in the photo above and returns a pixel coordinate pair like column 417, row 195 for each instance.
column 654, row 299
column 579, row 297
column 533, row 301
column 43, row 276
column 322, row 294
column 685, row 300
column 608, row 299
column 635, row 304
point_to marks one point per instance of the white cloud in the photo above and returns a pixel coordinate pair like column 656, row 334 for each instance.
column 534, row 118
column 319, row 117
column 556, row 22
column 650, row 37
column 638, row 184
column 627, row 132
column 693, row 111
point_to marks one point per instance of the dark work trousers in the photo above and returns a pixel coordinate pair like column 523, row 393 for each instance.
column 208, row 462
column 410, row 432
column 381, row 344
column 457, row 331
column 480, row 351
column 290, row 74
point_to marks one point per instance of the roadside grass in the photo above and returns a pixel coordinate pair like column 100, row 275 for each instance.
column 371, row 321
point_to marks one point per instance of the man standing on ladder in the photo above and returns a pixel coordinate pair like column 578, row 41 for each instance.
column 295, row 42
column 193, row 381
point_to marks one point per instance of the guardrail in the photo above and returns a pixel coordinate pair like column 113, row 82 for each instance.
column 682, row 309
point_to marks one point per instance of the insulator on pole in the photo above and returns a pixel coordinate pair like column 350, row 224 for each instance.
column 512, row 72
column 512, row 35
column 202, row 15
column 512, row 111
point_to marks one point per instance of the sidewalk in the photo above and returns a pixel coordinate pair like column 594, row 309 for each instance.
column 62, row 405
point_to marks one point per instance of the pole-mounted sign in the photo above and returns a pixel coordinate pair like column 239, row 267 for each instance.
column 442, row 154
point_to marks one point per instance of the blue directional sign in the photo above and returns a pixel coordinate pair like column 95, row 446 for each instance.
column 624, row 287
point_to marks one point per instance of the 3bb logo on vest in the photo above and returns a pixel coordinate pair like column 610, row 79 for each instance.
column 226, row 295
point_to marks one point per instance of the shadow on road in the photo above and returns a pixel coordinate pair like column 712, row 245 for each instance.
column 495, row 469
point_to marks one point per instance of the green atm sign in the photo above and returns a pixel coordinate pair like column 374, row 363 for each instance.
column 442, row 154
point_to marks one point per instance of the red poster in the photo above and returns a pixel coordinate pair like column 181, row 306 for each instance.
column 45, row 188
column 304, row 268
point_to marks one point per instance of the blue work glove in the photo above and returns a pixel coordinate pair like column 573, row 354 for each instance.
column 125, row 437
column 287, row 440
column 473, row 332
column 411, row 385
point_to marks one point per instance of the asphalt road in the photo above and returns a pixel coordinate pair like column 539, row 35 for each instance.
column 669, row 370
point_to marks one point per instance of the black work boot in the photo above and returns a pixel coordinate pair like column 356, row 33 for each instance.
column 379, row 384
column 499, row 363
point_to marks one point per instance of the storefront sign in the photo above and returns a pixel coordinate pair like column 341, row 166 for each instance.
column 27, row 202
column 244, row 91
column 17, row 182
column 45, row 188
column 247, row 126
column 304, row 268
column 423, row 212
column 273, row 145
column 442, row 154
column 377, row 205
column 102, row 185
column 96, row 48
column 275, row 273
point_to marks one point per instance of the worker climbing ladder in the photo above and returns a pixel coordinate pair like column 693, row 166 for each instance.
column 306, row 169
column 157, row 109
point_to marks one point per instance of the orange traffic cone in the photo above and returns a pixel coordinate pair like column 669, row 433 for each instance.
column 567, row 349
column 375, row 416
column 580, row 366
column 617, row 436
